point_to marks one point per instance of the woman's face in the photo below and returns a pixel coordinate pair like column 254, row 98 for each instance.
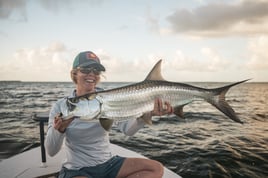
column 87, row 79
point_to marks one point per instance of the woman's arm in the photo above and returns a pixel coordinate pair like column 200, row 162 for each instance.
column 54, row 137
column 132, row 126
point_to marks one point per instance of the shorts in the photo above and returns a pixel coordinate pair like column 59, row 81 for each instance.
column 109, row 169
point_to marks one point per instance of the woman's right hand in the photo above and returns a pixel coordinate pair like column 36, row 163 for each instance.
column 60, row 124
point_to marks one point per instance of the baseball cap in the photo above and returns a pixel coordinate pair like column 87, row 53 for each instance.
column 88, row 59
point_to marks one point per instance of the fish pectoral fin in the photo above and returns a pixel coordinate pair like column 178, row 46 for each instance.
column 147, row 118
column 178, row 111
column 106, row 123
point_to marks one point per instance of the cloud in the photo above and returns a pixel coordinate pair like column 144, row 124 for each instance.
column 259, row 56
column 151, row 21
column 118, row 69
column 54, row 61
column 137, row 69
column 14, row 9
column 213, row 62
column 51, row 63
column 56, row 6
column 214, row 19
column 17, row 9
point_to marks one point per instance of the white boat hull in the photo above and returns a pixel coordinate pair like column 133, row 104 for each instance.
column 29, row 165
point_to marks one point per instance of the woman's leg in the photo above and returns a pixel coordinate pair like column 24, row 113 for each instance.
column 140, row 167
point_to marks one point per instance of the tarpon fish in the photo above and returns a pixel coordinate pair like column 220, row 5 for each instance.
column 133, row 100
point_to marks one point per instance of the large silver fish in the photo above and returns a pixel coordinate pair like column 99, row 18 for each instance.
column 133, row 100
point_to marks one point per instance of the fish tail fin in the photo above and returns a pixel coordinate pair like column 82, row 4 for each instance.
column 220, row 103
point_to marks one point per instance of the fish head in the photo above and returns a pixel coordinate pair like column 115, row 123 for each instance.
column 87, row 109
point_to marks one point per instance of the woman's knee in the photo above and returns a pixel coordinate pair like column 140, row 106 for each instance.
column 158, row 168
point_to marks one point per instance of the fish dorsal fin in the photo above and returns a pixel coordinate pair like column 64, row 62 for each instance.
column 155, row 73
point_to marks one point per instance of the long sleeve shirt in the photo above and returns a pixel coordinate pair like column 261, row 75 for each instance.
column 86, row 142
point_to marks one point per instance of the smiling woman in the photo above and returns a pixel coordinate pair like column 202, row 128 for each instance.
column 87, row 143
column 86, row 71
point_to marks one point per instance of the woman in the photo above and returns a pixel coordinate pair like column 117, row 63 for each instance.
column 88, row 152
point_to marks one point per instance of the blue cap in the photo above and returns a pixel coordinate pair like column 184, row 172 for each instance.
column 88, row 59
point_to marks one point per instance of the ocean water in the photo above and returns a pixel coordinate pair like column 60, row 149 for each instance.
column 203, row 144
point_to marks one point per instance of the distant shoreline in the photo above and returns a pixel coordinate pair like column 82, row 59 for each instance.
column 9, row 81
column 19, row 81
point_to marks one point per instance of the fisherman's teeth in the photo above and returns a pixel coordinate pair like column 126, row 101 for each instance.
column 90, row 80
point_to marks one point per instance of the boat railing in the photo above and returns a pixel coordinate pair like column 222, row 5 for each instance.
column 42, row 118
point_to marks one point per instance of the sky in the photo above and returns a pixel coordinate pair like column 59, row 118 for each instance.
column 197, row 40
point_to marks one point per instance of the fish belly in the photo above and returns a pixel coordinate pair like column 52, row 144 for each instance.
column 133, row 103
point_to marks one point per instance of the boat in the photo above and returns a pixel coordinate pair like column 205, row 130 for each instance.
column 30, row 164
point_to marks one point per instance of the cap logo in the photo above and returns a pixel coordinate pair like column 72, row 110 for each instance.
column 92, row 56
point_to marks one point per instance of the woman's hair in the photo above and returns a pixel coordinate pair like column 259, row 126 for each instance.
column 73, row 75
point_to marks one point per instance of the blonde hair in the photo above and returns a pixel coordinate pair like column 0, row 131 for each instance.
column 73, row 75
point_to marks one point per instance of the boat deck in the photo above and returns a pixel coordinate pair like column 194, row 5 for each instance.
column 35, row 163
column 29, row 164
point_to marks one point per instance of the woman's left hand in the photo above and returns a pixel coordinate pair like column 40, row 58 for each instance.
column 161, row 108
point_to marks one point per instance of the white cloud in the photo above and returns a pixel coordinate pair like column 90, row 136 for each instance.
column 212, row 62
column 259, row 56
column 51, row 63
column 137, row 69
column 54, row 62
column 118, row 69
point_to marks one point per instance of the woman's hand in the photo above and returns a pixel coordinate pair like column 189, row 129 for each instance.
column 161, row 108
column 60, row 124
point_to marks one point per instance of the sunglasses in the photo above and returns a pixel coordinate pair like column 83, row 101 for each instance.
column 89, row 70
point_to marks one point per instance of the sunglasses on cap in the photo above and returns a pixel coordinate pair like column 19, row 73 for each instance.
column 89, row 70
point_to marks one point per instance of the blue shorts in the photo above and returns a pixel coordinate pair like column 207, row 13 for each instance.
column 109, row 169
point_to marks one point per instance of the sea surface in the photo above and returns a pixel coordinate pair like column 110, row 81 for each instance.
column 203, row 144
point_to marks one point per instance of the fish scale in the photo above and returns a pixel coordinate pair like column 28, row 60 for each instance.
column 131, row 102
